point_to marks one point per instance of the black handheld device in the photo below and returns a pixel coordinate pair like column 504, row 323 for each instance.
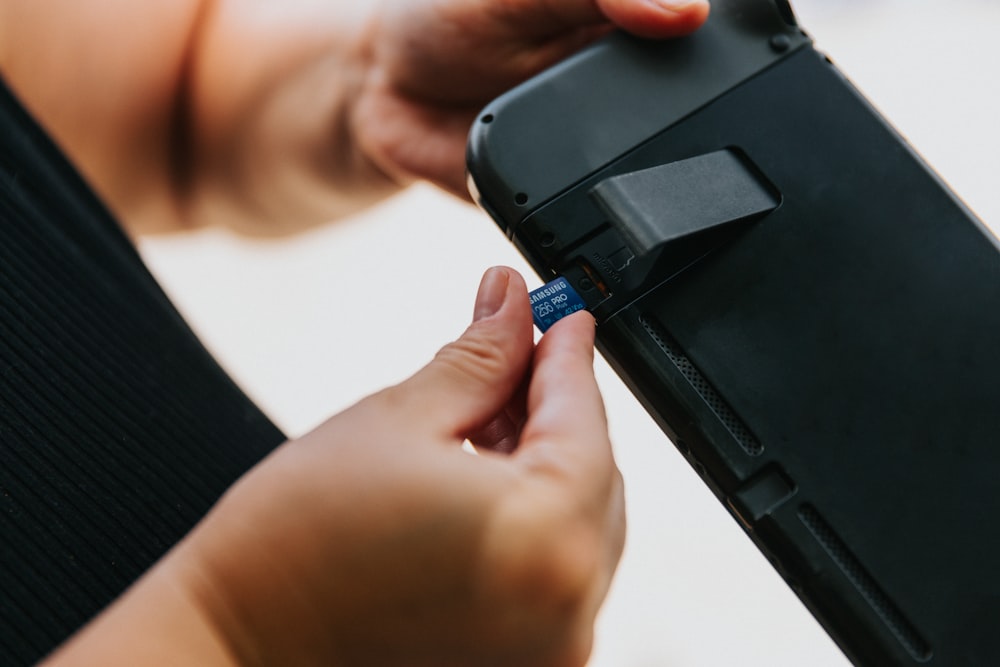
column 799, row 301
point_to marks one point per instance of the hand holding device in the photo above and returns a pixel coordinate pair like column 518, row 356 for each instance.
column 798, row 300
column 433, row 65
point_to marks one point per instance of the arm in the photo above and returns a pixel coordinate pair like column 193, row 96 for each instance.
column 267, row 116
column 377, row 540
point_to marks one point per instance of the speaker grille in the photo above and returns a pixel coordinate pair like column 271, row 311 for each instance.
column 746, row 440
column 898, row 624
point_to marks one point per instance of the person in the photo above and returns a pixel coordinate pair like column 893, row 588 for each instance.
column 375, row 539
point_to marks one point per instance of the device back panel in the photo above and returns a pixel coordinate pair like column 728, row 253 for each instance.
column 831, row 368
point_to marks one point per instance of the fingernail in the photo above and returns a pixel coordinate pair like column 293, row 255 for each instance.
column 492, row 293
column 677, row 5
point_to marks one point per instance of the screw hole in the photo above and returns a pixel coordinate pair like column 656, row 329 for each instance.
column 547, row 240
column 488, row 118
column 520, row 199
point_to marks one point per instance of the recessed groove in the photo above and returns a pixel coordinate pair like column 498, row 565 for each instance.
column 743, row 436
column 866, row 585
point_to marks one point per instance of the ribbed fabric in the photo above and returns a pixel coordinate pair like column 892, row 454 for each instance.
column 118, row 431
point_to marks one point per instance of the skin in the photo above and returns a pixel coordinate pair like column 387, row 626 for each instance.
column 375, row 539
column 267, row 116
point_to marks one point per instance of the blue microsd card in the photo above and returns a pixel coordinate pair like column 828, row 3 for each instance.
column 553, row 301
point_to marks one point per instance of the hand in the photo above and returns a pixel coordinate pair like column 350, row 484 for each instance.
column 271, row 116
column 376, row 540
column 434, row 65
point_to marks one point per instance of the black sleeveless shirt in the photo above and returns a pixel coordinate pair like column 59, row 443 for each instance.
column 118, row 431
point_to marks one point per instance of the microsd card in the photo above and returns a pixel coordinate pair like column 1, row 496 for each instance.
column 553, row 301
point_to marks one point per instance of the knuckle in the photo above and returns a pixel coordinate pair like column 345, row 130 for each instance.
column 477, row 357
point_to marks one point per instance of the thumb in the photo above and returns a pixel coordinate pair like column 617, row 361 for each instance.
column 471, row 379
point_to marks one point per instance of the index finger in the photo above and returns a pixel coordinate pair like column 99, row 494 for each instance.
column 566, row 432
column 645, row 18
column 661, row 18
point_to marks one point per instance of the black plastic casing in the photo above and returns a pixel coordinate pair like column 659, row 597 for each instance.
column 830, row 367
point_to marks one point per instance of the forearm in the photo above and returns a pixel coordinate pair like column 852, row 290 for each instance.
column 269, row 114
column 182, row 113
column 157, row 622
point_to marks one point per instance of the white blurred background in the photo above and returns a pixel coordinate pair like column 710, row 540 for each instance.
column 309, row 324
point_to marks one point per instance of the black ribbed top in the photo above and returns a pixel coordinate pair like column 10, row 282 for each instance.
column 117, row 429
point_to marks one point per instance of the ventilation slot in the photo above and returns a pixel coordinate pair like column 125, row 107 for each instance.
column 746, row 440
column 866, row 585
